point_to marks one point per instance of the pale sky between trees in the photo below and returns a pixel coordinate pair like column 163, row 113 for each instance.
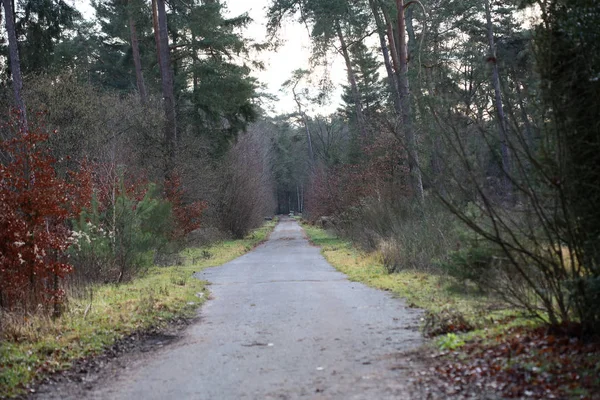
column 293, row 54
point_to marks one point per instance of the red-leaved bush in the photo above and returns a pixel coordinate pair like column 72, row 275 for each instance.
column 187, row 216
column 384, row 174
column 35, row 207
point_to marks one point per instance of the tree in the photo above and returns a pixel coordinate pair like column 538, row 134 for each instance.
column 42, row 24
column 332, row 21
column 208, row 57
column 166, row 74
column 15, row 64
column 498, row 101
column 293, row 83
column 35, row 205
column 120, row 50
column 405, row 104
column 135, row 49
column 568, row 55
column 246, row 193
column 372, row 89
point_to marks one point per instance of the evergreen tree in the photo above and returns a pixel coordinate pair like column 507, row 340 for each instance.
column 39, row 26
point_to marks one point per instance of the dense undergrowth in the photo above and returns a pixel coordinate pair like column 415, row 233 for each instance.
column 36, row 345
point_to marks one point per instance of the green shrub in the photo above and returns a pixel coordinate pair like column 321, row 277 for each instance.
column 450, row 341
column 116, row 242
column 474, row 261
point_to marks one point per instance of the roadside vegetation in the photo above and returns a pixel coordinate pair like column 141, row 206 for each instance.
column 36, row 345
column 450, row 306
column 478, row 342
column 461, row 173
column 111, row 167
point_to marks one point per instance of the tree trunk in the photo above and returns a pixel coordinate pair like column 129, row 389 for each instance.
column 381, row 28
column 156, row 30
column 506, row 185
column 15, row 64
column 530, row 141
column 406, row 116
column 302, row 198
column 167, row 87
column 137, row 60
column 360, row 119
column 311, row 152
column 392, row 38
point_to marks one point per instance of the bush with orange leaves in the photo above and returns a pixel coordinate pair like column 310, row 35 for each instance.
column 36, row 203
column 187, row 217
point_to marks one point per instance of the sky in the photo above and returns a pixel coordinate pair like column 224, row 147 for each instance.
column 293, row 54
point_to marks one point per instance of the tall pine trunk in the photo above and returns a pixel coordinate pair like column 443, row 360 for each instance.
column 156, row 29
column 137, row 60
column 385, row 51
column 15, row 64
column 405, row 103
column 506, row 185
column 356, row 98
column 166, row 75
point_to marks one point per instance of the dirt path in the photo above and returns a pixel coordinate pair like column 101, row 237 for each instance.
column 282, row 324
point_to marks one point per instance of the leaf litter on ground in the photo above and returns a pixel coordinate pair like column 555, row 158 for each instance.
column 537, row 363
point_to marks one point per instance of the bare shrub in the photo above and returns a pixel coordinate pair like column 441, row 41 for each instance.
column 406, row 236
column 445, row 321
column 205, row 236
column 100, row 125
column 245, row 193
column 389, row 254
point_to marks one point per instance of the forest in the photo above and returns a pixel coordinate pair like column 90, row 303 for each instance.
column 462, row 149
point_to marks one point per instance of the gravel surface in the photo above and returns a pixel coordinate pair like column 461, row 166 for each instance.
column 281, row 324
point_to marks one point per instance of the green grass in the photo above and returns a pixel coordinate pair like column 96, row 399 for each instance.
column 495, row 324
column 436, row 293
column 37, row 345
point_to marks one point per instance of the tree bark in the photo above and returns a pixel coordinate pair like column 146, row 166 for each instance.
column 137, row 60
column 167, row 86
column 360, row 118
column 15, row 64
column 381, row 28
column 156, row 29
column 498, row 103
column 392, row 38
column 410, row 31
column 528, row 127
column 406, row 115
column 311, row 152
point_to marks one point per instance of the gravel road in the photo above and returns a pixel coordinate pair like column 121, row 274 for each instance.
column 281, row 324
